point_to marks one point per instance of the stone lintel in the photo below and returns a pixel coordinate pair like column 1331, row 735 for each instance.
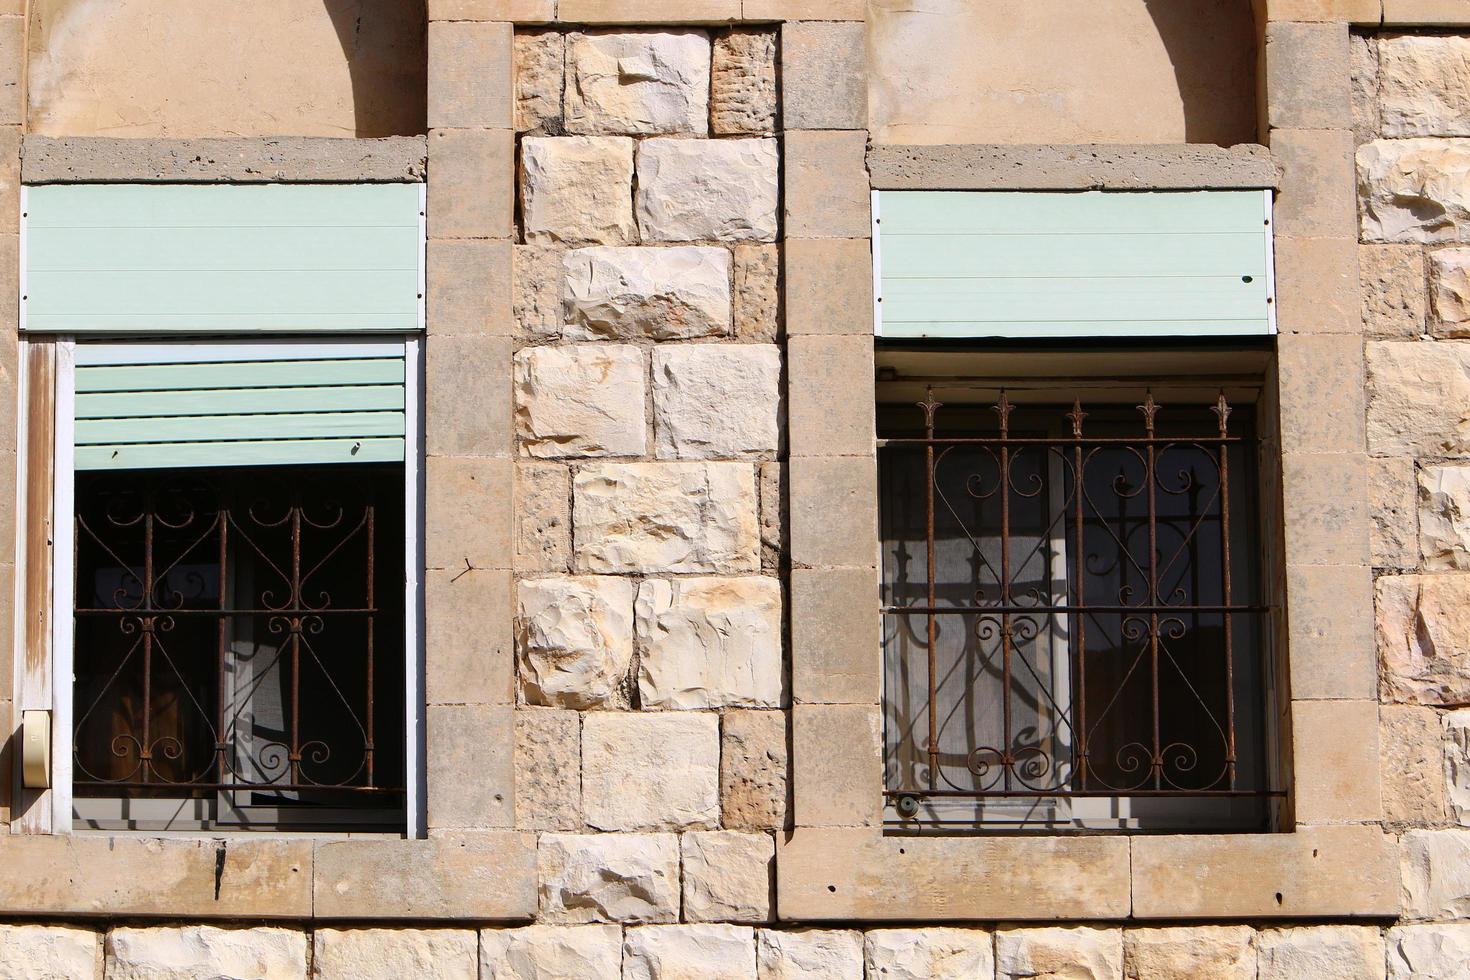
column 478, row 876
column 305, row 159
column 836, row 875
column 1049, row 167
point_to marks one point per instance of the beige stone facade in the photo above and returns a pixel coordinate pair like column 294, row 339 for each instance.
column 652, row 703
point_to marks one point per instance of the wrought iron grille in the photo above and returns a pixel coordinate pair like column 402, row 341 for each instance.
column 236, row 633
column 1067, row 612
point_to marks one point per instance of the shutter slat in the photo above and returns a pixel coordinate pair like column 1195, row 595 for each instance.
column 251, row 401
column 246, row 374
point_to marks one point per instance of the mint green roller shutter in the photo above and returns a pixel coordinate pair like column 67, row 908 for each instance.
column 204, row 258
column 975, row 264
column 240, row 407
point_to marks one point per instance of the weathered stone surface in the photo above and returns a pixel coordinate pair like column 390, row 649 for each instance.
column 728, row 876
column 716, row 401
column 1363, row 59
column 1456, row 726
column 666, row 517
column 809, row 954
column 548, row 761
column 470, row 738
column 824, row 73
column 1187, row 952
column 638, row 83
column 651, row 771
column 1444, row 517
column 543, row 517
column 551, row 952
column 828, row 286
column 581, row 401
column 1428, row 951
column 577, row 189
column 743, row 86
column 1320, row 951
column 575, row 639
column 1419, row 399
column 836, row 779
column 537, row 290
column 45, row 952
column 753, row 760
column 1450, row 292
column 928, row 954
column 468, row 637
column 609, row 877
column 1412, row 768
column 757, row 300
column 1415, row 190
column 394, row 954
column 1306, row 65
column 469, row 288
column 1340, row 784
column 710, row 952
column 1059, row 953
column 467, row 512
column 469, row 196
column 1424, row 638
column 658, row 293
column 540, row 58
column 772, row 480
column 466, row 411
column 710, row 643
column 1394, row 535
column 707, row 190
column 827, row 189
column 1424, row 86
column 481, row 876
column 1392, row 280
column 1436, row 873
column 187, row 952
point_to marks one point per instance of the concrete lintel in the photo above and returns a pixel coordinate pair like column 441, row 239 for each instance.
column 303, row 159
column 1044, row 167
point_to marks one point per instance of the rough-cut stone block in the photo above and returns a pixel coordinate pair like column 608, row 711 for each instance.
column 1424, row 638
column 651, row 771
column 540, row 66
column 469, row 75
column 827, row 193
column 1057, row 952
column 834, row 511
column 187, row 952
column 753, row 758
column 577, row 189
column 467, row 512
column 1392, row 281
column 581, row 401
column 757, row 298
column 693, row 190
column 574, row 640
column 1444, row 517
column 548, row 769
column 551, row 952
column 1436, row 873
column 1320, row 951
column 831, row 410
column 710, row 643
column 1187, row 952
column 835, row 635
column 808, row 954
column 1326, row 507
column 1456, row 727
column 467, row 383
column 837, row 777
column 44, row 952
column 1428, row 951
column 641, row 83
column 666, row 517
column 1415, row 190
column 824, row 75
column 1419, row 399
column 609, row 877
column 829, row 286
column 1413, row 769
column 728, row 876
column 543, row 517
column 1450, row 292
column 717, row 401
column 468, row 637
column 470, row 766
column 470, row 193
column 1424, row 86
column 928, row 954
column 711, row 952
column 537, row 302
column 1307, row 71
column 1317, row 286
column 394, row 954
column 1340, row 782
column 1329, row 618
column 1363, row 60
column 1392, row 491
column 743, row 83
column 1316, row 199
column 772, row 482
column 658, row 293
column 468, row 288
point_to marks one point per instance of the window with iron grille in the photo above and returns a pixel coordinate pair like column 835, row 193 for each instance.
column 1073, row 623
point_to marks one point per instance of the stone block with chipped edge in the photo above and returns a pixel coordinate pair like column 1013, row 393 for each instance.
column 299, row 159
column 1317, row 286
column 577, row 190
column 1336, row 743
column 467, row 396
column 824, row 75
column 1329, row 621
column 1456, row 741
column 1316, row 199
column 627, row 293
column 710, row 642
column 830, row 411
column 1326, row 508
column 470, row 75
column 1415, row 753
column 717, row 401
column 1436, row 873
column 1074, row 167
column 538, row 274
column 517, row 11
column 470, row 766
column 1415, row 190
column 743, row 82
column 829, row 286
column 1418, row 398
column 835, row 629
column 468, row 637
column 1307, row 74
column 810, row 954
column 1349, row 870
column 1320, row 951
column 1450, row 292
column 1185, row 952
column 713, row 952
column 574, row 639
column 551, row 952
column 929, row 951
column 467, row 512
column 1444, row 517
column 832, row 875
column 836, row 753
column 469, row 288
column 755, row 298
column 543, row 517
column 43, row 950
column 472, row 188
column 1049, row 950
column 1393, row 293
column 693, row 190
column 834, row 511
column 1417, row 951
column 395, row 954
column 186, row 952
column 648, row 11
column 643, row 83
column 548, row 758
column 651, row 771
column 1423, row 638
column 609, row 877
column 827, row 191
column 484, row 876
column 754, row 788
column 540, row 75
column 1423, row 87
column 728, row 876
column 1320, row 392
column 583, row 401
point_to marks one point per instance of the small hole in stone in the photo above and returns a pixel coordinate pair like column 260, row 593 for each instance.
column 1278, row 898
column 1314, row 852
column 902, row 851
column 832, row 888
